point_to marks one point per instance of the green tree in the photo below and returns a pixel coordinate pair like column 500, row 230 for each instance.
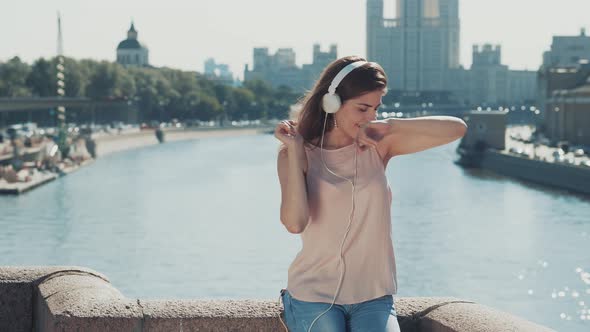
column 208, row 107
column 110, row 81
column 150, row 102
column 41, row 79
column 245, row 102
column 13, row 76
column 284, row 96
column 159, row 93
column 75, row 78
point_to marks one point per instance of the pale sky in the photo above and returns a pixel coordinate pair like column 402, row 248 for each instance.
column 183, row 34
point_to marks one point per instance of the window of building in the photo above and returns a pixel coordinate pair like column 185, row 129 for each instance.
column 430, row 9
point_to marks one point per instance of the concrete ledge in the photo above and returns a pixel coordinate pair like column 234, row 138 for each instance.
column 80, row 299
column 475, row 318
column 230, row 315
column 17, row 292
column 451, row 315
column 16, row 305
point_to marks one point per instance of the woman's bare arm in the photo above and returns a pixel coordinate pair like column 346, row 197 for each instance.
column 418, row 134
column 393, row 137
column 291, row 168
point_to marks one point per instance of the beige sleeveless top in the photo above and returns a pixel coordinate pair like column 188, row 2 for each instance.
column 368, row 251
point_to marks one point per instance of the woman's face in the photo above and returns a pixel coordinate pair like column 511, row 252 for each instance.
column 359, row 110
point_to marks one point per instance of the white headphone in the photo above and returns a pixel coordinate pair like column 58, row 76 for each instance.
column 331, row 102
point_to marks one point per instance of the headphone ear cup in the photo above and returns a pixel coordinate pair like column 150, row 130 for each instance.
column 331, row 103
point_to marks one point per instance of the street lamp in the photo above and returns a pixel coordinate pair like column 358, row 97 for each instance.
column 61, row 110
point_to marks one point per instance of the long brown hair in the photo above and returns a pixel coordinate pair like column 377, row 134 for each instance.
column 367, row 78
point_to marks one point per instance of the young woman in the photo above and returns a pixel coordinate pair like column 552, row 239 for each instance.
column 334, row 192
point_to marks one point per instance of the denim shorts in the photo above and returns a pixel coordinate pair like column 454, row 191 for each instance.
column 377, row 315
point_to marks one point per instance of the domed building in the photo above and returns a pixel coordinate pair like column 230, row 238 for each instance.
column 130, row 53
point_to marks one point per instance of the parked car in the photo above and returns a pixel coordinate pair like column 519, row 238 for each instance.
column 516, row 150
column 558, row 155
column 564, row 145
column 558, row 152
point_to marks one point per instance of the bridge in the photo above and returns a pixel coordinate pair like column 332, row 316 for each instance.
column 41, row 109
column 45, row 103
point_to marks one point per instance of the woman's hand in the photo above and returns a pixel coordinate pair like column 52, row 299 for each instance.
column 286, row 132
column 371, row 133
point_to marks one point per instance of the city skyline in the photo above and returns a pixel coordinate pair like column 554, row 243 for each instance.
column 183, row 34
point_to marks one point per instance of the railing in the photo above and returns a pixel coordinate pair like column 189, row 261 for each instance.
column 80, row 299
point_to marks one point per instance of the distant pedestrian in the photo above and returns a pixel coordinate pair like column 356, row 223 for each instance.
column 160, row 135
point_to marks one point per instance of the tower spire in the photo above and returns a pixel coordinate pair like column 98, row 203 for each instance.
column 60, row 47
column 132, row 33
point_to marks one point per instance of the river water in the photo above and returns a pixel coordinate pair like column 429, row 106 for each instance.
column 199, row 219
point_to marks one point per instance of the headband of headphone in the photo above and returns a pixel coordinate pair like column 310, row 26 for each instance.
column 331, row 102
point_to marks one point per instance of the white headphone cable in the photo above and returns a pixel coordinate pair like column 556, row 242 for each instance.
column 352, row 183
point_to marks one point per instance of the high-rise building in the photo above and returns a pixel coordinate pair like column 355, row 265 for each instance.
column 565, row 66
column 322, row 59
column 277, row 69
column 493, row 84
column 567, row 114
column 311, row 72
column 218, row 72
column 285, row 58
column 488, row 76
column 418, row 48
column 130, row 52
column 280, row 68
column 567, row 51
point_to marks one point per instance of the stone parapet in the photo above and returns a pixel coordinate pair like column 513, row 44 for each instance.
column 80, row 299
